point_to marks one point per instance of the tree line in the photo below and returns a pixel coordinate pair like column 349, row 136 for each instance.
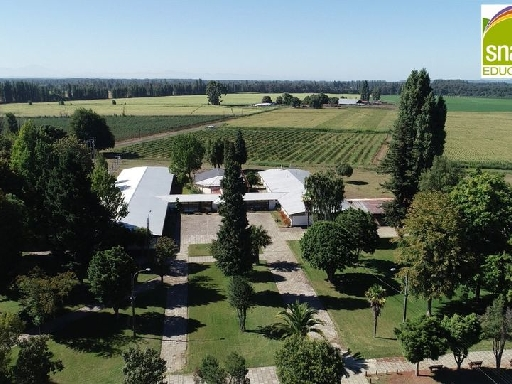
column 45, row 90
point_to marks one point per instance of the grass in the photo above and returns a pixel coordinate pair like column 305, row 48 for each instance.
column 91, row 347
column 195, row 250
column 351, row 312
column 213, row 327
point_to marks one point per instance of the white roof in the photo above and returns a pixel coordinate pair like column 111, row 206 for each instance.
column 342, row 101
column 141, row 187
column 290, row 182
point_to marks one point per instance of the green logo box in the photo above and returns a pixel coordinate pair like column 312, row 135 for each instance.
column 496, row 48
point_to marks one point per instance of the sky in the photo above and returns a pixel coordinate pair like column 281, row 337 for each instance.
column 241, row 39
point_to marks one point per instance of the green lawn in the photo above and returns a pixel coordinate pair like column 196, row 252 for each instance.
column 213, row 327
column 467, row 104
column 199, row 250
column 91, row 347
column 351, row 312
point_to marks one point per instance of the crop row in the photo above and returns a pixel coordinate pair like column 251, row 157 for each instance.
column 293, row 146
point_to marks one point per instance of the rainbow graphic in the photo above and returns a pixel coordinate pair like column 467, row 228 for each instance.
column 504, row 14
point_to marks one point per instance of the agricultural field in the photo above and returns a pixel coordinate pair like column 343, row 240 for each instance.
column 130, row 127
column 358, row 118
column 467, row 104
column 284, row 146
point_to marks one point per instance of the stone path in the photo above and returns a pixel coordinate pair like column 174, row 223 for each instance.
column 291, row 283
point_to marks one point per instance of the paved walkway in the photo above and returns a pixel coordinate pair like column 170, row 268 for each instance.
column 291, row 283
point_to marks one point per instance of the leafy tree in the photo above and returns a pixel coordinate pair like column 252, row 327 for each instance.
column 12, row 227
column 259, row 239
column 376, row 296
column 497, row 274
column 214, row 90
column 463, row 332
column 165, row 250
column 287, row 98
column 35, row 362
column 42, row 296
column 376, row 94
column 417, row 137
column 362, row 227
column 216, row 153
column 87, row 124
column 240, row 297
column 232, row 249
column 365, row 91
column 252, row 177
column 295, row 103
column 279, row 100
column 328, row 246
column 75, row 215
column 496, row 324
column 240, row 149
column 430, row 245
column 186, row 156
column 422, row 338
column 104, row 185
column 110, row 276
column 143, row 367
column 485, row 202
column 326, row 192
column 314, row 101
column 442, row 176
column 301, row 360
column 344, row 170
column 210, row 372
column 11, row 327
column 298, row 319
column 12, row 123
column 236, row 369
column 266, row 99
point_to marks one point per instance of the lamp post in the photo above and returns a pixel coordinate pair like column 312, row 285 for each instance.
column 406, row 292
column 133, row 297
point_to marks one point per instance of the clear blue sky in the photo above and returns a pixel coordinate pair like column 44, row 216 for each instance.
column 240, row 39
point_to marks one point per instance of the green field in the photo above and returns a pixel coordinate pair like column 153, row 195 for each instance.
column 467, row 104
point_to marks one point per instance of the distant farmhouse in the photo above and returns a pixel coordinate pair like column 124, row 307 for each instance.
column 342, row 101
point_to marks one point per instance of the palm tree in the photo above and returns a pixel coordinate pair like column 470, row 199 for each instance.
column 299, row 319
column 376, row 296
column 259, row 239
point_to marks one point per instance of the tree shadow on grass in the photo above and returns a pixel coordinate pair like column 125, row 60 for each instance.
column 99, row 332
column 202, row 291
column 464, row 306
column 355, row 284
column 272, row 331
column 194, row 268
column 268, row 298
column 382, row 267
column 348, row 303
column 474, row 376
column 264, row 277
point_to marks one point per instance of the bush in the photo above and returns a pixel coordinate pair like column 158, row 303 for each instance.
column 301, row 360
column 344, row 170
column 143, row 367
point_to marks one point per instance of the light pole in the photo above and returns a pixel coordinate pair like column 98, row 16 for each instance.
column 148, row 235
column 406, row 292
column 133, row 297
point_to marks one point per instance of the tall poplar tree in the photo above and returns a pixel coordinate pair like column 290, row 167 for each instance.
column 365, row 91
column 232, row 249
column 240, row 149
column 417, row 137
